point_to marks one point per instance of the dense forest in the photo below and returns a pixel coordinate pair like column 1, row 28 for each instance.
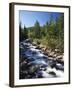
column 51, row 35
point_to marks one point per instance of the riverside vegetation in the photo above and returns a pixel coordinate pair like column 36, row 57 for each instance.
column 50, row 36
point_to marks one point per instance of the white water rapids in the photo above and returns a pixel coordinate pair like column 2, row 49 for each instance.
column 35, row 63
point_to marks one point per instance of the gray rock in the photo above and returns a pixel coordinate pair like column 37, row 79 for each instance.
column 51, row 54
column 59, row 57
column 34, row 44
column 52, row 73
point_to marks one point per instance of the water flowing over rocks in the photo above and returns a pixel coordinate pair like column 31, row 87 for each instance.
column 36, row 63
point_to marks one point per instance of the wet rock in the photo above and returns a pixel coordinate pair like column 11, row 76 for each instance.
column 23, row 66
column 41, row 46
column 59, row 57
column 30, row 59
column 21, row 47
column 52, row 73
column 45, row 53
column 38, row 42
column 45, row 57
column 23, row 63
column 44, row 74
column 33, row 68
column 55, row 55
column 34, row 44
column 28, row 41
column 44, row 49
column 51, row 54
column 59, row 67
column 60, row 61
column 57, row 51
column 53, row 64
column 50, row 58
column 37, row 47
column 23, row 74
column 22, row 58
column 34, row 52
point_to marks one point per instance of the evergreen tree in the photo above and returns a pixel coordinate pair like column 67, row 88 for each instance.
column 20, row 32
column 25, row 32
column 60, row 27
column 37, row 32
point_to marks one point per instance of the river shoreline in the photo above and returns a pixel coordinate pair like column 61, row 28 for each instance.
column 52, row 54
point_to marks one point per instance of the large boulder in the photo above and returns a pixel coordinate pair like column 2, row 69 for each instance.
column 59, row 57
column 51, row 54
column 57, row 50
column 28, row 41
column 34, row 44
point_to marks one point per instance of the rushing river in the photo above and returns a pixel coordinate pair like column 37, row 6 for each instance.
column 35, row 64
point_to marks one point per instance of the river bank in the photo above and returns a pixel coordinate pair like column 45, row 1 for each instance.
column 52, row 54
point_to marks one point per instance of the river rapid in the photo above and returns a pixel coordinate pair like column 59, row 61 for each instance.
column 34, row 63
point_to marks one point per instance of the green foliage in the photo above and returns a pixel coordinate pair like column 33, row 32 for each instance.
column 25, row 32
column 37, row 30
column 21, row 36
column 51, row 34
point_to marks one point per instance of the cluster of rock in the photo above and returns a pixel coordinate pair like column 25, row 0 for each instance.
column 33, row 65
column 52, row 54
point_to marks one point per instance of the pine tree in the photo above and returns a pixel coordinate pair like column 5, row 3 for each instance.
column 20, row 32
column 37, row 30
column 25, row 32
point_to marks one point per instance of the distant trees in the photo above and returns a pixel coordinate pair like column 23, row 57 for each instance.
column 60, row 29
column 23, row 33
column 51, row 34
column 37, row 32
column 21, row 36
